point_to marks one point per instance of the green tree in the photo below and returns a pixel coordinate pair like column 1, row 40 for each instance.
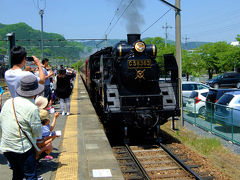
column 54, row 44
column 78, row 64
column 191, row 64
column 229, row 59
column 219, row 57
column 161, row 49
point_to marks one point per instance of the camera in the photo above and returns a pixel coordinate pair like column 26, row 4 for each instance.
column 30, row 58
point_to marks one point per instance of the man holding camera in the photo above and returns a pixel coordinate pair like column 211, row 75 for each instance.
column 47, row 75
column 15, row 74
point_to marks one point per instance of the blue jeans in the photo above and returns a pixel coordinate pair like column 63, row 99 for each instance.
column 47, row 91
column 23, row 164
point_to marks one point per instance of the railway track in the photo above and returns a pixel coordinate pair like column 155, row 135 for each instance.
column 129, row 164
column 154, row 162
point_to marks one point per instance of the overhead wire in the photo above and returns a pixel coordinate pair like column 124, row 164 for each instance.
column 213, row 25
column 34, row 4
column 217, row 29
column 120, row 16
column 39, row 5
column 156, row 21
column 217, row 18
column 116, row 12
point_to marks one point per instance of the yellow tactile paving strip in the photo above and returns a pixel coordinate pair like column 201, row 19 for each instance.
column 68, row 159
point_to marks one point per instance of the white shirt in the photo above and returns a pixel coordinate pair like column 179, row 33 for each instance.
column 13, row 77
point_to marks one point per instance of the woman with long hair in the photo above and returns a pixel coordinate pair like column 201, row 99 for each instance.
column 64, row 90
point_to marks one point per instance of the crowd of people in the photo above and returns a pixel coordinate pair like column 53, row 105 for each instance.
column 27, row 130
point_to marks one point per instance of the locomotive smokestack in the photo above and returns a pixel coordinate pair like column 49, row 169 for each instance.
column 132, row 38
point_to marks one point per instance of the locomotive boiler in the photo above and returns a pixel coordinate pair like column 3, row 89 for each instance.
column 123, row 81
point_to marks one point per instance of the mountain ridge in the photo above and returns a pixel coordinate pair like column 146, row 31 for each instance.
column 55, row 45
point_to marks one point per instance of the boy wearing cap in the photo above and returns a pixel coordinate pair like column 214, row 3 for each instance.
column 42, row 103
column 48, row 135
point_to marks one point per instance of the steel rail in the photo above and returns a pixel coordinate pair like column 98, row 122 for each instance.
column 137, row 162
column 186, row 167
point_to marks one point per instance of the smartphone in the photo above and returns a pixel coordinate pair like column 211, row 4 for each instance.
column 30, row 58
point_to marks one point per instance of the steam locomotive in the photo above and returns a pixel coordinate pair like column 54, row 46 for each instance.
column 123, row 81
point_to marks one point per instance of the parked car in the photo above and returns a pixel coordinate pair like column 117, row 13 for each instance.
column 227, row 109
column 229, row 79
column 213, row 96
column 196, row 102
column 189, row 86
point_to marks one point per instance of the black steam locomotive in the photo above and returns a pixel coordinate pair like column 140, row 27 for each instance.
column 123, row 81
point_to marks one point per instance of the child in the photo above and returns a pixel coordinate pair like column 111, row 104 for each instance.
column 48, row 135
column 42, row 103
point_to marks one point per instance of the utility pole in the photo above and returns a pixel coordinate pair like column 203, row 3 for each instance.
column 179, row 56
column 106, row 43
column 41, row 12
column 166, row 32
column 186, row 41
column 178, row 53
column 11, row 43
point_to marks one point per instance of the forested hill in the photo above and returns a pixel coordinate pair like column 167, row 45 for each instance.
column 192, row 45
column 55, row 45
column 112, row 42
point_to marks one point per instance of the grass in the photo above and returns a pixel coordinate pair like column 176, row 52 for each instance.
column 210, row 148
column 203, row 145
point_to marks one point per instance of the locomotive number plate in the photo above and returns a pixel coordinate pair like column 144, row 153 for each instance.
column 136, row 64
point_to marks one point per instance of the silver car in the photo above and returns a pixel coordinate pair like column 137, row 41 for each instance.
column 196, row 102
column 189, row 86
column 227, row 109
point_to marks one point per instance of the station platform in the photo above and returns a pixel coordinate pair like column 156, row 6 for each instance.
column 83, row 151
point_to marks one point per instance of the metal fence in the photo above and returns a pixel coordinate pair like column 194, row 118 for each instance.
column 217, row 119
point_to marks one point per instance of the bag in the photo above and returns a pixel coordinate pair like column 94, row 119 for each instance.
column 37, row 153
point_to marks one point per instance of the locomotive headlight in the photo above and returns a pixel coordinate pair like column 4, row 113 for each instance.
column 139, row 46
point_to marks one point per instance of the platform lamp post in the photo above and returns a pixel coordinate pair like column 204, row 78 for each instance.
column 11, row 43
column 41, row 12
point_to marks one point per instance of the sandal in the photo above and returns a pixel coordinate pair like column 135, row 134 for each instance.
column 48, row 157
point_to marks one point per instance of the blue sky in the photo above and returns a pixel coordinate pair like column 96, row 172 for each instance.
column 201, row 20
